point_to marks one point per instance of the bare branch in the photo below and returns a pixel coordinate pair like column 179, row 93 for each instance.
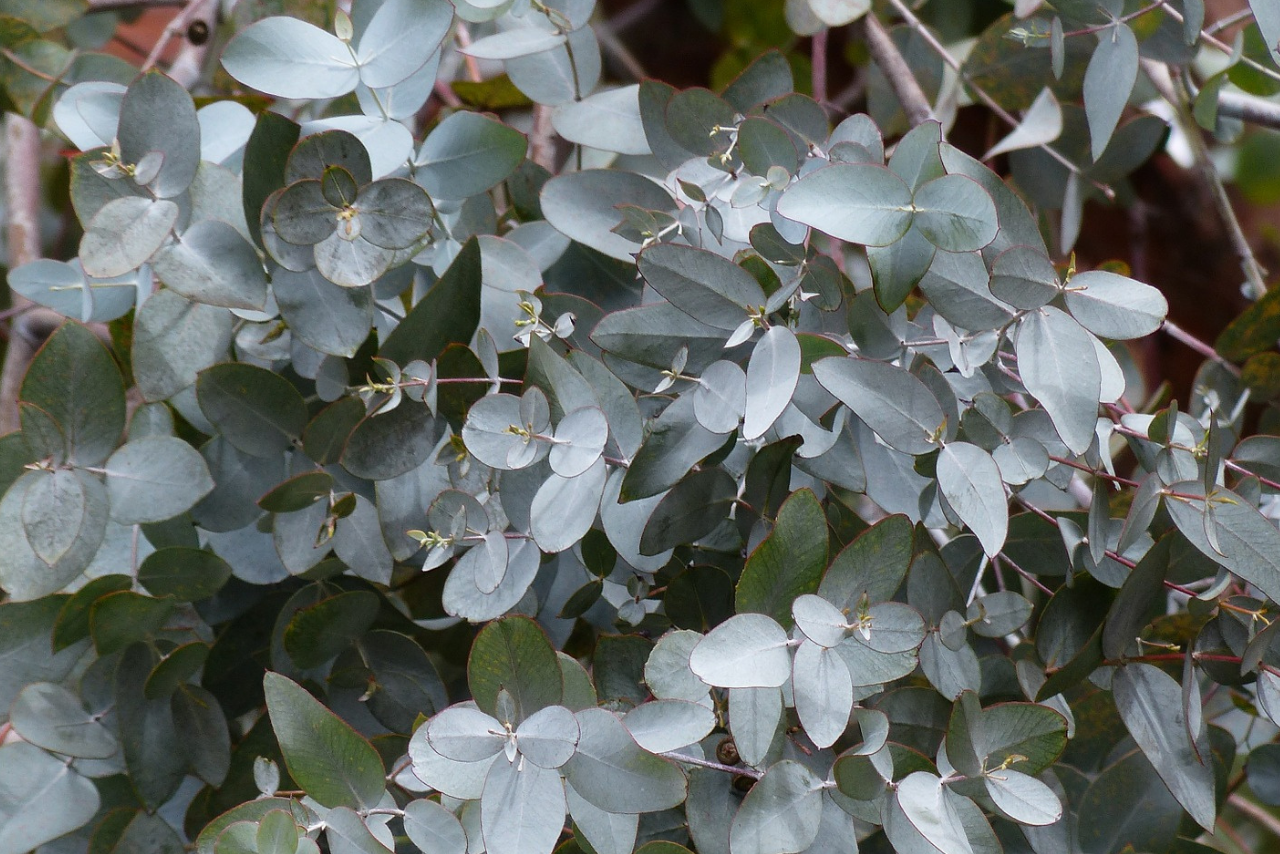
column 178, row 27
column 902, row 81
column 1250, row 109
column 130, row 5
column 1174, row 90
column 22, row 194
column 542, row 144
column 1008, row 118
column 819, row 58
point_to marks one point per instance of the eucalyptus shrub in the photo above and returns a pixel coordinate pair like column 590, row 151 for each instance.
column 748, row 486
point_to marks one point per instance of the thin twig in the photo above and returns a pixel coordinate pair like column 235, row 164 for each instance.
column 542, row 145
column 744, row 770
column 818, row 58
column 177, row 27
column 1184, row 337
column 1209, row 39
column 632, row 15
column 463, row 35
column 1255, row 812
column 887, row 57
column 1173, row 89
column 22, row 194
column 613, row 47
column 445, row 93
column 30, row 69
column 982, row 95
column 1123, row 19
column 1228, row 21
column 1026, row 575
column 1248, row 108
column 131, row 5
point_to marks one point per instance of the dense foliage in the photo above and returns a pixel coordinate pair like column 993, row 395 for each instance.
column 760, row 480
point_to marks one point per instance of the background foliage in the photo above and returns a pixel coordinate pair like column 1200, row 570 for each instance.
column 462, row 441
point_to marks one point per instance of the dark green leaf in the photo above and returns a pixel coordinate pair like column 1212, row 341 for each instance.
column 789, row 562
column 330, row 761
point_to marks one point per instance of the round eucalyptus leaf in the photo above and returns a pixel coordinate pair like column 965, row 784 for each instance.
column 893, row 402
column 772, row 375
column 290, row 58
column 400, row 38
column 490, row 566
column 351, row 261
column 487, row 432
column 515, row 43
column 998, row 614
column 466, row 154
column 316, row 152
column 258, row 411
column 970, row 480
column 661, row 726
column 462, row 596
column 782, row 813
column 702, row 284
column 58, row 510
column 522, row 809
column 466, row 734
column 1058, row 365
column 1024, row 277
column 548, row 737
column 337, row 187
column 302, row 215
column 89, row 112
column 155, row 478
column 720, row 397
column 52, row 717
column 564, row 509
column 158, row 123
column 579, row 440
column 823, row 691
column 608, row 120
column 819, row 620
column 53, row 800
column 395, row 213
column 187, row 574
column 610, row 771
column 1114, row 306
column 1021, row 461
column 860, row 203
column 923, row 809
column 325, row 316
column 667, row 672
column 745, row 651
column 431, row 827
column 1022, row 798
column 212, row 263
column 582, row 206
column 124, row 234
column 955, row 213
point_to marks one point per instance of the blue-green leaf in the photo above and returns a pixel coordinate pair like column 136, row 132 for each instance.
column 290, row 58
column 892, row 401
column 1108, row 82
column 955, row 213
column 781, row 813
column 1058, row 365
column 466, row 154
column 860, row 203
column 400, row 38
column 970, row 480
column 772, row 375
column 1150, row 702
